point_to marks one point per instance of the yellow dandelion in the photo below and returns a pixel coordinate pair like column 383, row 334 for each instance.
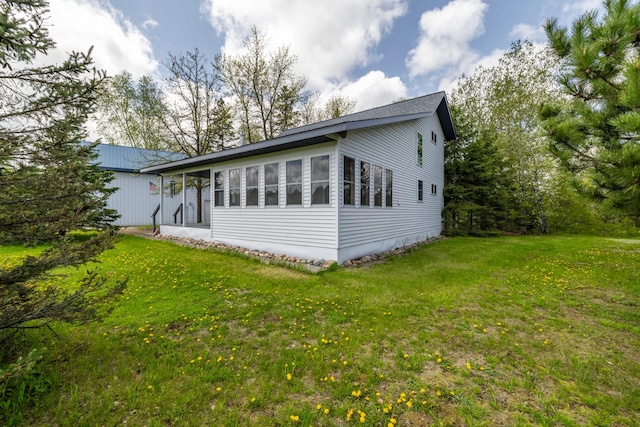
column 468, row 365
column 326, row 411
column 289, row 377
column 439, row 360
column 294, row 418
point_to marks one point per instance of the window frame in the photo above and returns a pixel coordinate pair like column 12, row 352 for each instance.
column 388, row 188
column 434, row 137
column 289, row 184
column 218, row 189
column 434, row 189
column 268, row 185
column 377, row 186
column 314, row 181
column 420, row 149
column 234, row 190
column 365, row 184
column 349, row 185
column 255, row 188
column 420, row 190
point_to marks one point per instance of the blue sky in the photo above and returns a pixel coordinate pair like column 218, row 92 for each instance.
column 374, row 51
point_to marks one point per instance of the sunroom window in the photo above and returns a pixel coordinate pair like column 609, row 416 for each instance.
column 252, row 186
column 320, row 180
column 271, row 184
column 294, row 182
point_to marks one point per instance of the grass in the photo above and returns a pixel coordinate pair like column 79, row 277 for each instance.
column 510, row 331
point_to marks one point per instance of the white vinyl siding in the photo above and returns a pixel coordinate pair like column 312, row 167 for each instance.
column 394, row 148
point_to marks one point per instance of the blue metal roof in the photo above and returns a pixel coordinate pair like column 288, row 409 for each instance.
column 130, row 159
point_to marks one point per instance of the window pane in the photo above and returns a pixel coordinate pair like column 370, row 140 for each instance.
column 234, row 187
column 234, row 178
column 349, row 194
column 218, row 178
column 320, row 193
column 294, row 171
column 349, row 169
column 420, row 149
column 389, row 188
column 252, row 196
column 377, row 186
column 252, row 176
column 320, row 168
column 218, row 185
column 271, row 174
column 420, row 190
column 271, row 195
column 234, row 197
column 294, row 194
column 365, row 195
column 348, row 181
column 364, row 184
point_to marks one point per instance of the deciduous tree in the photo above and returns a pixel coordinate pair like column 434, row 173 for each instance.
column 129, row 112
column 195, row 118
column 266, row 89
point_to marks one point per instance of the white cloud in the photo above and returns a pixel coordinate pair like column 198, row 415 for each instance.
column 450, row 81
column 330, row 37
column 445, row 36
column 528, row 32
column 150, row 23
column 580, row 6
column 374, row 89
column 76, row 25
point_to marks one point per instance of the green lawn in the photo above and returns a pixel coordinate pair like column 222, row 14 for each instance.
column 477, row 332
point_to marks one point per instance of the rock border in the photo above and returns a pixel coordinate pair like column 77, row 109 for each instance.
column 312, row 265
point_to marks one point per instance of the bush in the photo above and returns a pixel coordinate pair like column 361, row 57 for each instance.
column 21, row 383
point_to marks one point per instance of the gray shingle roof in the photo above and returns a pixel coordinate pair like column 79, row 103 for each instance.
column 409, row 107
column 315, row 133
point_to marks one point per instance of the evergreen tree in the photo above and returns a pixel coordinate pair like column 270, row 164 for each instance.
column 477, row 192
column 499, row 106
column 49, row 183
column 596, row 133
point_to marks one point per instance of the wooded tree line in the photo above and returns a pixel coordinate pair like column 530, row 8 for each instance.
column 546, row 127
column 205, row 106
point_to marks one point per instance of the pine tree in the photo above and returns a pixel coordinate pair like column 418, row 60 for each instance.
column 477, row 192
column 50, row 185
column 596, row 133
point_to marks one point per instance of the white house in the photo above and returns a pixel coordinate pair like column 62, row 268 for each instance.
column 336, row 190
column 138, row 194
